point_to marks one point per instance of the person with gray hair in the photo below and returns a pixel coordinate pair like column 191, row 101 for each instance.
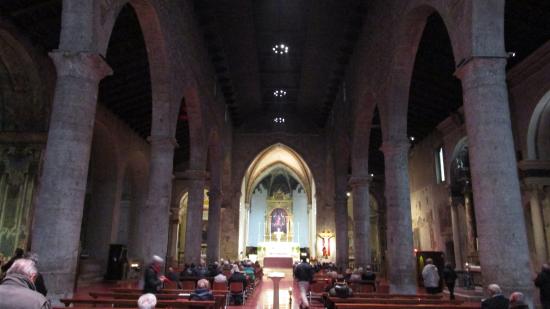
column 152, row 278
column 147, row 301
column 39, row 281
column 496, row 300
column 517, row 301
column 17, row 290
column 202, row 292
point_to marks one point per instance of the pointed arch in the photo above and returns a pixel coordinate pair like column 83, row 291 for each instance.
column 277, row 155
column 410, row 31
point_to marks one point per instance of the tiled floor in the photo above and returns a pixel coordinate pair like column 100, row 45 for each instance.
column 263, row 295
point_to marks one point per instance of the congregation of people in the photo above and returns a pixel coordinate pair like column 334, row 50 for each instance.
column 221, row 273
column 22, row 285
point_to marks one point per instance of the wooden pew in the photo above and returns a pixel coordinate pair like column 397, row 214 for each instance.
column 407, row 306
column 180, row 303
column 219, row 297
column 399, row 301
column 384, row 295
column 162, row 291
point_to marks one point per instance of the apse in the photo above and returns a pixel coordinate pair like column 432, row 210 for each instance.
column 277, row 209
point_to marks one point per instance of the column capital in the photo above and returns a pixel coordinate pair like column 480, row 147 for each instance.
column 477, row 70
column 395, row 146
column 359, row 181
column 161, row 140
column 86, row 65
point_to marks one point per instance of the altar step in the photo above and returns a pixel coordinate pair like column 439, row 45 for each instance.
column 278, row 262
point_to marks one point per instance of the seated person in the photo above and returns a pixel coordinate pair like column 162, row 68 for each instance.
column 202, row 270
column 188, row 271
column 249, row 271
column 340, row 288
column 517, row 301
column 220, row 278
column 202, row 292
column 347, row 274
column 238, row 276
column 356, row 275
column 496, row 300
column 147, row 301
column 172, row 275
column 368, row 274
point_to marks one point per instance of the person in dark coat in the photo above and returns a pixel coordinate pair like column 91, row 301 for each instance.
column 152, row 280
column 238, row 276
column 449, row 276
column 496, row 300
column 369, row 276
column 17, row 290
column 304, row 274
column 543, row 283
column 202, row 292
column 17, row 255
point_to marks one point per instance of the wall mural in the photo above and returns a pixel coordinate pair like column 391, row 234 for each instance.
column 18, row 172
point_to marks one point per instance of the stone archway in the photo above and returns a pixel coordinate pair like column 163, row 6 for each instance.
column 284, row 180
column 538, row 136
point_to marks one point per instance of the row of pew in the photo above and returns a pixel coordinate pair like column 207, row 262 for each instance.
column 365, row 297
column 166, row 298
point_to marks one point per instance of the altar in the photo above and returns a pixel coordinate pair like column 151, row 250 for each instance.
column 277, row 246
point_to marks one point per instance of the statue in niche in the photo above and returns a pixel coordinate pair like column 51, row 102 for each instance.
column 278, row 220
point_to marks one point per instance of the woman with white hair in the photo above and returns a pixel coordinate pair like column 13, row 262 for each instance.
column 147, row 301
column 202, row 292
column 17, row 290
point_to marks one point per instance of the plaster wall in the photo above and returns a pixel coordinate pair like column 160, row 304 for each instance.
column 429, row 200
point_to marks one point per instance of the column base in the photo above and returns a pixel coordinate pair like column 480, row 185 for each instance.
column 59, row 285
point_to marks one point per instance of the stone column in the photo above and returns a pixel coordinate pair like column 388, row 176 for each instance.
column 456, row 234
column 538, row 225
column 193, row 226
column 60, row 200
column 401, row 260
column 497, row 200
column 361, row 217
column 470, row 226
column 156, row 212
column 342, row 244
column 214, row 222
